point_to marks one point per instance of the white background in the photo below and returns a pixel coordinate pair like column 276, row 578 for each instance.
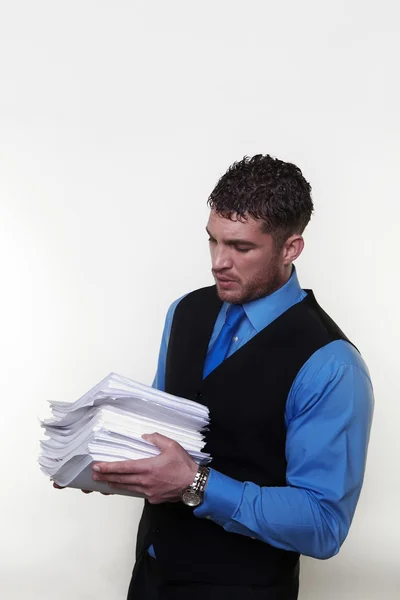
column 116, row 120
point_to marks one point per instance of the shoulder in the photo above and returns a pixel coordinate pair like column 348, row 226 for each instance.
column 335, row 356
column 196, row 299
column 201, row 294
column 173, row 306
column 335, row 378
column 191, row 298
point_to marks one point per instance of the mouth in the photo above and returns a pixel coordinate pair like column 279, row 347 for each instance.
column 224, row 282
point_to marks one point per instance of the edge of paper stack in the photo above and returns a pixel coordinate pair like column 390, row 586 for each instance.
column 106, row 425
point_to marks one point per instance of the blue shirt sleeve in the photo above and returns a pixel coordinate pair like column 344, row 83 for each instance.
column 328, row 419
column 159, row 379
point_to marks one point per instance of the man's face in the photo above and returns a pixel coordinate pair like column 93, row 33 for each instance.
column 245, row 262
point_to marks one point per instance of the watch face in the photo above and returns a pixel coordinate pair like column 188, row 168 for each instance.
column 191, row 498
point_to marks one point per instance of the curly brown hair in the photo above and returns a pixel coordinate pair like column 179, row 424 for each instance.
column 268, row 189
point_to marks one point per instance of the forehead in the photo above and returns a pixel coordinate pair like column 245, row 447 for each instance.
column 235, row 228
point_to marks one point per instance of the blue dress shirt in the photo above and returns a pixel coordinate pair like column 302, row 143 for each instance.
column 328, row 418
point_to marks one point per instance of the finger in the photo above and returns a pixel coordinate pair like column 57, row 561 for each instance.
column 161, row 441
column 136, row 489
column 91, row 492
column 57, row 487
column 140, row 465
column 116, row 478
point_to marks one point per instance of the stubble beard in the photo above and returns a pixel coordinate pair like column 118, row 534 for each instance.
column 255, row 289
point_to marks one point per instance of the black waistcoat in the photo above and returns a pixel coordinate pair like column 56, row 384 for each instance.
column 246, row 396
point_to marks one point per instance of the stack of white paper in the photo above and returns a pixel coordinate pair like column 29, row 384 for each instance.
column 107, row 423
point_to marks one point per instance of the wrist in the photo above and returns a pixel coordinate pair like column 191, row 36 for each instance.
column 191, row 474
column 193, row 494
column 222, row 498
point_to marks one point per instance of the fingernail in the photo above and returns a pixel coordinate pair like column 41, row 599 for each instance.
column 95, row 477
column 96, row 468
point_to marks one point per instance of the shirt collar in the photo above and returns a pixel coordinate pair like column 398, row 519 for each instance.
column 263, row 311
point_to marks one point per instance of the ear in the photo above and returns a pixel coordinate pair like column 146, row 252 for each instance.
column 292, row 249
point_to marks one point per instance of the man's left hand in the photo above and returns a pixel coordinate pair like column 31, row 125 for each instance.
column 158, row 479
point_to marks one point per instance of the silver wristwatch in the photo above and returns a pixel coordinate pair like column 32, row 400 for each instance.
column 193, row 495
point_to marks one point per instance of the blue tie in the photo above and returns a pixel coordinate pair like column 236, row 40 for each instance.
column 221, row 345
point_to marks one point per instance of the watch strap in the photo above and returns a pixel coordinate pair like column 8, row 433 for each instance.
column 193, row 494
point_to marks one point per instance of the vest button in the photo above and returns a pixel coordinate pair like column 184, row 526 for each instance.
column 198, row 395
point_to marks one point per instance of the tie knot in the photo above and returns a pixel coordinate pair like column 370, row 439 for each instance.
column 235, row 314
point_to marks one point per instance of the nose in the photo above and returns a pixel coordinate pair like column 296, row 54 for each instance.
column 220, row 258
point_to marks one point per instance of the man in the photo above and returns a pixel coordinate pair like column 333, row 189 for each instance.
column 290, row 402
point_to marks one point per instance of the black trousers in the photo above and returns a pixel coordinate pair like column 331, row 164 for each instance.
column 147, row 584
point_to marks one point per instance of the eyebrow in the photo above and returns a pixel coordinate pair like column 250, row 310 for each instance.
column 235, row 241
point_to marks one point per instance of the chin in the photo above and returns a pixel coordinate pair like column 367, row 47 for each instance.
column 230, row 296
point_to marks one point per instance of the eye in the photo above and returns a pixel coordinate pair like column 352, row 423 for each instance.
column 211, row 240
column 243, row 250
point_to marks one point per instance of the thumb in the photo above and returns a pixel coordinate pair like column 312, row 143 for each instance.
column 159, row 440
